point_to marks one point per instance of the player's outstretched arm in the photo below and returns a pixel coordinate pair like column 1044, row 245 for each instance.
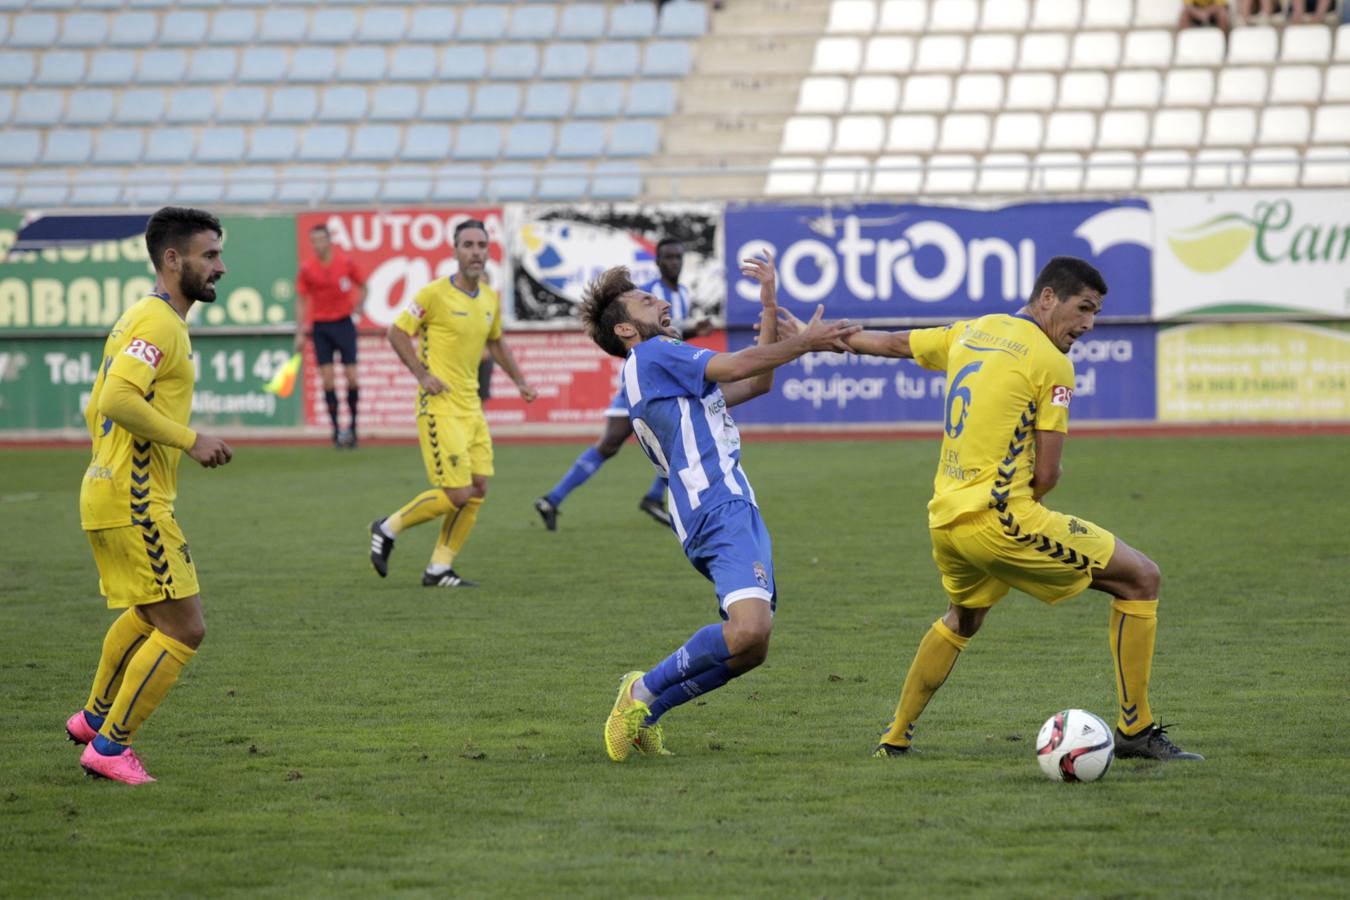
column 761, row 269
column 123, row 403
column 894, row 344
column 818, row 336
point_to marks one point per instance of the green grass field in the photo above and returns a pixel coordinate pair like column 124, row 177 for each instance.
column 340, row 734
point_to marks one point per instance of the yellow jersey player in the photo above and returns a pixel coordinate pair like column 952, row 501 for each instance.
column 137, row 418
column 1009, row 383
column 453, row 319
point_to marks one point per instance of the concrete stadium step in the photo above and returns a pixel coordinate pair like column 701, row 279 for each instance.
column 719, row 135
column 764, row 55
column 737, row 186
column 719, row 94
column 772, row 17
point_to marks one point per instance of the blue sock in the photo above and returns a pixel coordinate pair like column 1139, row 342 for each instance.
column 108, row 747
column 658, row 489
column 702, row 683
column 586, row 465
column 93, row 721
column 706, row 649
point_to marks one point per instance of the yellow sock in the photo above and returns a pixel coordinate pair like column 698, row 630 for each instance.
column 932, row 664
column 1134, row 626
column 125, row 636
column 152, row 671
column 455, row 530
column 424, row 507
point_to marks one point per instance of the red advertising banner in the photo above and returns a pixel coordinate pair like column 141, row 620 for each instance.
column 574, row 378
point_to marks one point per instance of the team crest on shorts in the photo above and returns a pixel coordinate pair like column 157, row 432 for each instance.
column 761, row 575
column 184, row 552
column 1076, row 528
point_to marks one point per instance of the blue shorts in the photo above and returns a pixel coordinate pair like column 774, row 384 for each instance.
column 339, row 336
column 618, row 406
column 731, row 548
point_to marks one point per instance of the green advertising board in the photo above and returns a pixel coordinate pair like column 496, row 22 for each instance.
column 85, row 289
column 45, row 383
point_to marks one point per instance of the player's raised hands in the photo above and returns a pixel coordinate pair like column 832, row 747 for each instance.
column 210, row 451
column 761, row 269
column 819, row 334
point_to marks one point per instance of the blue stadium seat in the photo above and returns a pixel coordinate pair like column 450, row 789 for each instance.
column 283, row 26
column 515, row 61
column 445, row 103
column 667, row 59
column 213, row 65
column 464, row 62
column 251, row 185
column 598, row 99
column 342, row 104
column 17, row 68
column 162, row 67
column 190, row 106
column 140, row 106
column 413, row 64
column 632, row 20
column 495, row 101
column 218, row 145
column 84, row 30
column 396, row 103
column 683, row 19
column 68, row 147
column 650, row 98
column 382, row 26
column 434, row 25
column 615, row 59
column 40, row 196
column 533, row 23
column 562, row 187
column 183, row 28
column 615, row 181
column 61, row 67
column 39, row 107
column 242, row 104
column 303, row 185
column 376, row 143
column 567, row 60
column 426, row 142
column 274, row 143
column 6, row 106
column 36, row 30
column 199, row 186
column 355, row 185
column 148, row 187
column 545, row 100
column 482, row 23
column 579, row 140
column 133, row 29
column 582, row 21
column 528, row 140
column 293, row 104
column 112, row 67
column 20, row 147
column 262, row 65
column 323, row 143
column 89, row 107
column 9, row 189
column 511, row 182
column 407, row 184
column 458, row 182
column 119, row 146
column 362, row 64
column 634, row 139
column 95, row 187
column 478, row 142
column 230, row 27
column 168, row 145
column 313, row 64
column 332, row 26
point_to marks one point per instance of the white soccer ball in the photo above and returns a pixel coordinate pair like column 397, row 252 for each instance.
column 1075, row 745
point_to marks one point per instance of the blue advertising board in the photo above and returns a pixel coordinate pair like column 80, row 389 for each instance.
column 1115, row 370
column 889, row 261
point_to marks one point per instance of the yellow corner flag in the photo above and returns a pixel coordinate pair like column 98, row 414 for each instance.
column 283, row 382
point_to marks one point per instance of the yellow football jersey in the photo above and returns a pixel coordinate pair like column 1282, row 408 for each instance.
column 451, row 328
column 131, row 480
column 1005, row 380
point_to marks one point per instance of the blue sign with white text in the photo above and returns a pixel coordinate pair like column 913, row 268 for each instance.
column 888, row 261
column 1115, row 375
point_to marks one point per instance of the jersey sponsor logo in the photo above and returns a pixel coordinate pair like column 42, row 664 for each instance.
column 416, row 311
column 146, row 352
column 1060, row 395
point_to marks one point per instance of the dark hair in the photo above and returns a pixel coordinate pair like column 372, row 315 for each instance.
column 319, row 227
column 601, row 308
column 1066, row 276
column 175, row 226
column 666, row 242
column 469, row 223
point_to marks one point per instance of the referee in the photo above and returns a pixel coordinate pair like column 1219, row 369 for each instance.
column 329, row 290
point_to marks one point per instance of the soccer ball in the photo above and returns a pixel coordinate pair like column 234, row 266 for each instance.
column 1074, row 745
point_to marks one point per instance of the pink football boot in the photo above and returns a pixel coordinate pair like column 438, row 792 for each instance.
column 78, row 730
column 125, row 767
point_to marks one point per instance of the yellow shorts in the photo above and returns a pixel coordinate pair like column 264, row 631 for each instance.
column 139, row 565
column 455, row 448
column 1046, row 554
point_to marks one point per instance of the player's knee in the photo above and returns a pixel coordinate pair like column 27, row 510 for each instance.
column 749, row 643
column 607, row 447
column 1149, row 578
column 190, row 634
column 458, row 496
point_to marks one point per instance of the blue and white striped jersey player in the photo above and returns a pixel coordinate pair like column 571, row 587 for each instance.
column 678, row 396
column 670, row 263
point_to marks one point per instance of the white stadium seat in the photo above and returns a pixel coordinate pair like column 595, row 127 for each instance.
column 874, row 93
column 1188, row 87
column 1342, row 51
column 900, row 173
column 1123, row 129
column 839, row 55
column 992, row 53
column 1147, row 50
column 1115, row 14
column 1136, row 89
column 1252, row 46
column 1230, row 127
column 1017, row 131
column 1058, row 171
column 1008, row 15
column 953, row 15
column 807, row 134
column 912, row 133
column 1095, row 50
column 1004, row 173
column 1273, row 167
column 1031, row 90
column 978, row 92
column 1070, row 130
column 843, row 176
column 852, row 17
column 1306, row 44
column 823, row 94
column 1056, row 15
column 964, row 132
column 790, row 177
column 1047, row 51
column 903, row 16
column 1284, row 126
column 1199, row 47
column 1331, row 125
column 950, row 173
column 859, row 134
column 1164, row 170
column 1337, row 89
column 1083, row 90
column 1111, row 171
column 926, row 93
column 940, row 53
column 1326, row 167
column 889, row 54
column 1241, row 86
column 1219, row 168
column 1177, row 128
column 1295, row 84
column 1156, row 13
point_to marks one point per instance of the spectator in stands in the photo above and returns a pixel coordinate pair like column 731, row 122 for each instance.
column 1299, row 10
column 1315, row 9
column 329, row 289
column 1201, row 13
